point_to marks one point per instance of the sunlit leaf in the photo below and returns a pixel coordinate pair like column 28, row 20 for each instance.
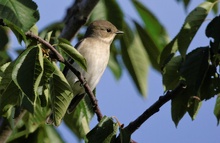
column 134, row 58
column 104, row 132
column 10, row 94
column 190, row 27
column 33, row 121
column 20, row 13
column 73, row 53
column 62, row 95
column 150, row 46
column 171, row 75
column 27, row 72
column 79, row 120
column 155, row 30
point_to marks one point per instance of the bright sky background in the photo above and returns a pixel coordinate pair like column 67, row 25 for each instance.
column 120, row 98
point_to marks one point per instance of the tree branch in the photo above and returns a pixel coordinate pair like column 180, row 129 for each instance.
column 5, row 128
column 77, row 15
column 60, row 58
column 134, row 125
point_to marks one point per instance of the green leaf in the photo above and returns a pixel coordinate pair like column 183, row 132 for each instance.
column 134, row 58
column 4, row 57
column 113, row 63
column 27, row 72
column 20, row 13
column 79, row 120
column 217, row 109
column 212, row 31
column 194, row 105
column 33, row 121
column 125, row 136
column 4, row 38
column 99, row 12
column 62, row 95
column 153, row 28
column 183, row 39
column 179, row 105
column 193, row 71
column 210, row 85
column 73, row 53
column 104, row 132
column 150, row 46
column 171, row 75
column 111, row 6
column 194, row 68
column 45, row 82
column 10, row 94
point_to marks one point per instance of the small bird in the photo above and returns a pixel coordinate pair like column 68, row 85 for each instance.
column 95, row 48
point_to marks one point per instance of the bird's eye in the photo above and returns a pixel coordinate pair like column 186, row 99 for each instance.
column 109, row 30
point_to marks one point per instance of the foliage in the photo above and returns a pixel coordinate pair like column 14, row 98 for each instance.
column 35, row 83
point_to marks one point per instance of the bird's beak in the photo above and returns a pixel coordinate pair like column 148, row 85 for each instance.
column 119, row 32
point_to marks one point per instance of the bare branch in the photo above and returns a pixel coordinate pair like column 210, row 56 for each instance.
column 77, row 15
column 134, row 125
column 60, row 58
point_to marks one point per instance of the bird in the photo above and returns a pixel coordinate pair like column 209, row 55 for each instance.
column 95, row 48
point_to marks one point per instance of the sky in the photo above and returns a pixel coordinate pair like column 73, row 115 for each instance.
column 121, row 99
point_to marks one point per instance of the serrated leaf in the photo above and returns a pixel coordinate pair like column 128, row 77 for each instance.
column 45, row 82
column 20, row 13
column 134, row 58
column 27, row 72
column 155, row 30
column 10, row 94
column 62, row 95
column 79, row 120
column 104, row 132
column 73, row 53
column 150, row 46
column 183, row 39
column 217, row 109
column 171, row 75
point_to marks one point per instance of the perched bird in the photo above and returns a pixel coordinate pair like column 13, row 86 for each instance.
column 95, row 48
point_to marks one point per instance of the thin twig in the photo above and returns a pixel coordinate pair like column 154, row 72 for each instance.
column 60, row 58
